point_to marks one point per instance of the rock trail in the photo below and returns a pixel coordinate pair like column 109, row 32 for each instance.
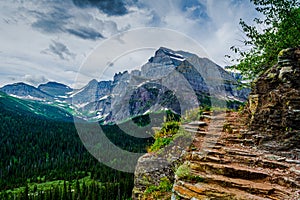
column 231, row 166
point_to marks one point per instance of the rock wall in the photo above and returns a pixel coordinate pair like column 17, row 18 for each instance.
column 274, row 105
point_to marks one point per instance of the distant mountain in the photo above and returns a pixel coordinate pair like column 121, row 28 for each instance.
column 91, row 92
column 25, row 91
column 55, row 89
column 170, row 80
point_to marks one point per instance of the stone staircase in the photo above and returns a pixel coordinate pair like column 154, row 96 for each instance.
column 223, row 163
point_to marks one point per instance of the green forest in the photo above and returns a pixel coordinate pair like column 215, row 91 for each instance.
column 43, row 158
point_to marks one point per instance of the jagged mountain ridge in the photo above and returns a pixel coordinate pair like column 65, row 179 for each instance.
column 174, row 80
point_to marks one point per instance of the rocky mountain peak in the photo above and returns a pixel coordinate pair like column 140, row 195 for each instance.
column 92, row 83
column 119, row 76
column 167, row 56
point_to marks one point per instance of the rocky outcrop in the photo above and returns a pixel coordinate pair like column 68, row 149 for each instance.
column 274, row 106
column 154, row 168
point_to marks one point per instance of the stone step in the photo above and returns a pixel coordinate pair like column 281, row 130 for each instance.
column 233, row 137
column 215, row 128
column 206, row 113
column 210, row 159
column 231, row 171
column 203, row 191
column 258, row 163
column 240, row 157
column 287, row 182
column 247, row 142
column 258, row 188
column 204, row 133
column 215, row 143
column 240, row 152
column 272, row 164
column 186, row 194
column 194, row 131
column 197, row 123
column 186, row 126
column 209, row 152
column 208, row 143
column 247, row 135
column 213, row 146
column 215, row 118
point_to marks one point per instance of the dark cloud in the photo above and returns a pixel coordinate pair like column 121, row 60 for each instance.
column 60, row 50
column 109, row 7
column 58, row 20
column 85, row 33
column 51, row 22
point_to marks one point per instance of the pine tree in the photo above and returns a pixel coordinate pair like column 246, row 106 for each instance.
column 279, row 28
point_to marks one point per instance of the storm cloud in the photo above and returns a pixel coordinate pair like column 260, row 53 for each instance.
column 109, row 7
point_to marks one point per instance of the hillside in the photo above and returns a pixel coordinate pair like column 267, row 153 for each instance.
column 20, row 106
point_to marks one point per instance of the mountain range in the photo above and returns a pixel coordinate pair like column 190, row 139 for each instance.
column 170, row 80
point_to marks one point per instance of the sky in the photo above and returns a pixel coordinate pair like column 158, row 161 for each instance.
column 53, row 40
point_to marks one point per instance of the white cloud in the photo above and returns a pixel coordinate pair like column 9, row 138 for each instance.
column 30, row 46
column 35, row 79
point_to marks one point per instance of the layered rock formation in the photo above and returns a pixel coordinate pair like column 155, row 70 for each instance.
column 221, row 165
column 274, row 106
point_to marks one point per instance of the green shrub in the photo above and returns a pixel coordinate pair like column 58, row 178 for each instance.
column 169, row 128
column 193, row 115
column 183, row 171
column 164, row 136
column 165, row 185
column 159, row 143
